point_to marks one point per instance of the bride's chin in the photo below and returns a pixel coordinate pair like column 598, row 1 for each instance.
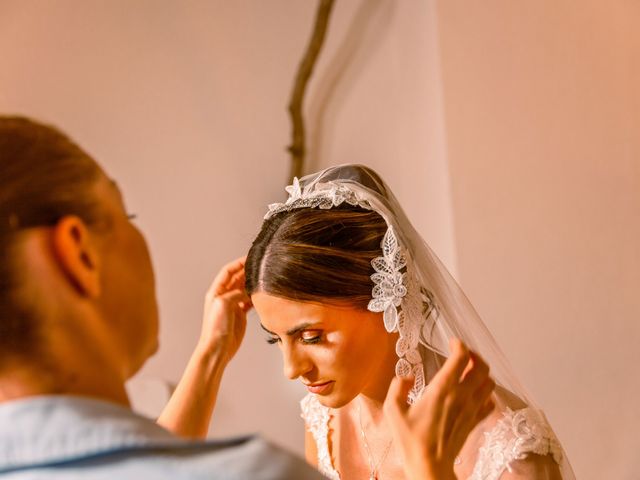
column 333, row 401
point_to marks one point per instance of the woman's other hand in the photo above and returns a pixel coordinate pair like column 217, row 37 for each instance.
column 191, row 406
column 431, row 432
column 225, row 312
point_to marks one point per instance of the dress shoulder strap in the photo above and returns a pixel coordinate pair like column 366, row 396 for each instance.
column 517, row 434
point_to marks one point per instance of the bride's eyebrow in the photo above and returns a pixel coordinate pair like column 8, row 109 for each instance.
column 292, row 331
column 268, row 331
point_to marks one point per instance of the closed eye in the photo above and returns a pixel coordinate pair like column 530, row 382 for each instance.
column 305, row 340
column 311, row 337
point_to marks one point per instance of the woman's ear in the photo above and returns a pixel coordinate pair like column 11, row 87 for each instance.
column 78, row 255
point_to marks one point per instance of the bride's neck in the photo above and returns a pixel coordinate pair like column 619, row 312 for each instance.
column 372, row 397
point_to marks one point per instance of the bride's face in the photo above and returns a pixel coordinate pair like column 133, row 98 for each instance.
column 337, row 352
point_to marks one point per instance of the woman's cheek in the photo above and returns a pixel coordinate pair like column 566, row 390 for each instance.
column 332, row 356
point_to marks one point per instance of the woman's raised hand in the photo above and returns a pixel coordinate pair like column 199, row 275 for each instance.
column 226, row 304
column 225, row 311
column 431, row 432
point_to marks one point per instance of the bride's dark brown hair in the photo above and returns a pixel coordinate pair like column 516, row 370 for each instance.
column 316, row 255
column 43, row 177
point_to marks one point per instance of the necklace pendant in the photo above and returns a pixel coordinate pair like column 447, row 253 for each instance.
column 373, row 476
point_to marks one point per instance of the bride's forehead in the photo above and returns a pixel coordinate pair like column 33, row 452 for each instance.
column 268, row 304
column 278, row 310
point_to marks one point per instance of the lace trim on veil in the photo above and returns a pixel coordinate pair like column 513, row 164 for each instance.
column 324, row 195
column 517, row 434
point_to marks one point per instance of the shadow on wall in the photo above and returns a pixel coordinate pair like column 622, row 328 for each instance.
column 365, row 33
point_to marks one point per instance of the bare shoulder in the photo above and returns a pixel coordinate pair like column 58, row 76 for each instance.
column 506, row 398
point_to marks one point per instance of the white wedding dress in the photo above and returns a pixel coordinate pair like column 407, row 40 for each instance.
column 514, row 437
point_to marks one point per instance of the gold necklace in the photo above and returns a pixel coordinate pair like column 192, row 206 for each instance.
column 373, row 467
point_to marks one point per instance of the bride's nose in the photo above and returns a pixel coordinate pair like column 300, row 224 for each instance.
column 296, row 363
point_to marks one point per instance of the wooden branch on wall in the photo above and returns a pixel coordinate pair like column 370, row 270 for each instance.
column 297, row 149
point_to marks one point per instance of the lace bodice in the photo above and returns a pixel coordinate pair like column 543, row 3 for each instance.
column 316, row 418
column 517, row 434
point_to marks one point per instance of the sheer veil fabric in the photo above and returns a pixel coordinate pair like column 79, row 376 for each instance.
column 421, row 301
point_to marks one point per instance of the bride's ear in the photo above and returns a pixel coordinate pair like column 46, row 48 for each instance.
column 77, row 254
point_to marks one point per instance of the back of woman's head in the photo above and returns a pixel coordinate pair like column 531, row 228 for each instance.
column 43, row 177
column 316, row 255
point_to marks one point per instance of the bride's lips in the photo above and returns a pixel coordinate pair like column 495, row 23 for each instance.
column 320, row 388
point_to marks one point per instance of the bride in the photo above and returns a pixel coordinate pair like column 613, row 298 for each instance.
column 353, row 297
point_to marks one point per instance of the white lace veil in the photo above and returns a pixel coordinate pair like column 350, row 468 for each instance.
column 419, row 297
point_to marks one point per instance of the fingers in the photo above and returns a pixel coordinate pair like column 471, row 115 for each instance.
column 225, row 311
column 238, row 275
column 228, row 277
column 237, row 280
column 450, row 373
column 476, row 374
column 482, row 395
column 237, row 300
column 472, row 407
column 236, row 296
column 468, row 419
column 486, row 410
column 246, row 305
column 460, row 390
column 228, row 286
column 457, row 400
column 395, row 407
column 471, row 403
column 444, row 388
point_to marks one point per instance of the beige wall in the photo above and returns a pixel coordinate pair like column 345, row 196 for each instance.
column 505, row 130
column 543, row 133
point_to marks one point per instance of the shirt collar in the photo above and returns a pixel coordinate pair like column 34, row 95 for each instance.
column 48, row 430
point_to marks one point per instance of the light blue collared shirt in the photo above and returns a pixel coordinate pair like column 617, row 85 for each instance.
column 72, row 437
